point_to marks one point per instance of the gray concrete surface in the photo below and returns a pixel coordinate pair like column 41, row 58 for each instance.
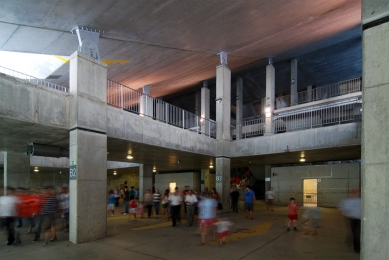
column 332, row 240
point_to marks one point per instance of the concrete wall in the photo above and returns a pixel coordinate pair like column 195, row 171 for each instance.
column 317, row 138
column 181, row 179
column 118, row 180
column 34, row 103
column 335, row 180
column 129, row 126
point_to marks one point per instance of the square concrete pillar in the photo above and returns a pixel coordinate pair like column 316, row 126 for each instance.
column 375, row 139
column 223, row 102
column 239, row 107
column 16, row 170
column 270, row 98
column 88, row 149
column 205, row 107
column 223, row 187
column 145, row 179
column 293, row 83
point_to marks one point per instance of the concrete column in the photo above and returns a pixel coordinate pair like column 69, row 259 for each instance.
column 16, row 170
column 223, row 168
column 209, row 179
column 239, row 107
column 375, row 144
column 88, row 149
column 223, row 102
column 309, row 93
column 145, row 179
column 293, row 83
column 205, row 107
column 270, row 97
column 146, row 103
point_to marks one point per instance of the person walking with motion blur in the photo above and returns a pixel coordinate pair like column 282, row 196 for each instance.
column 292, row 216
column 148, row 201
column 175, row 200
column 165, row 205
column 223, row 226
column 111, row 203
column 133, row 206
column 190, row 201
column 157, row 201
column 8, row 215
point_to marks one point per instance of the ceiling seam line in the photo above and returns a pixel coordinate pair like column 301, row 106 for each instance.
column 10, row 37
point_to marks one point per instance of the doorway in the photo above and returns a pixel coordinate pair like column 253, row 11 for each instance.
column 172, row 186
column 310, row 193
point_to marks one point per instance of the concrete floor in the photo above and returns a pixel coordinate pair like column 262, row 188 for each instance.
column 264, row 237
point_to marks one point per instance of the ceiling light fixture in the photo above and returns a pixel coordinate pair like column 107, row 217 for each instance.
column 211, row 166
column 36, row 169
column 129, row 156
column 114, row 173
column 154, row 170
column 302, row 160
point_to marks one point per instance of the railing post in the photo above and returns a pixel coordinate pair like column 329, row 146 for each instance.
column 121, row 96
column 183, row 119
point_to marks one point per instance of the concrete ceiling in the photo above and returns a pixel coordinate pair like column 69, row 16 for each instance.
column 172, row 46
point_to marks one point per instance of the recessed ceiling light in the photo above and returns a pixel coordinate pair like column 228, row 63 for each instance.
column 154, row 170
column 129, row 156
column 114, row 173
column 302, row 160
column 36, row 169
column 211, row 166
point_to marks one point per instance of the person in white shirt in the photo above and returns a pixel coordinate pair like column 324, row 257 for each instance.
column 190, row 202
column 175, row 201
column 8, row 214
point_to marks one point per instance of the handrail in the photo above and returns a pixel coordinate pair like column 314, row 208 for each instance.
column 121, row 96
column 323, row 92
column 32, row 79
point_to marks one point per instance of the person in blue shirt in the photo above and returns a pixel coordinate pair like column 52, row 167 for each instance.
column 111, row 203
column 249, row 198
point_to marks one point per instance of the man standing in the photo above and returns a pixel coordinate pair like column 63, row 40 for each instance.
column 249, row 198
column 126, row 199
column 132, row 193
column 190, row 202
column 234, row 199
column 8, row 214
column 157, row 200
column 175, row 200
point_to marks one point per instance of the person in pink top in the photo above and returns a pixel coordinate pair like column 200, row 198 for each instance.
column 292, row 216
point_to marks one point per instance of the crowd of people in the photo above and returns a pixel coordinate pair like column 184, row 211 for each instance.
column 39, row 210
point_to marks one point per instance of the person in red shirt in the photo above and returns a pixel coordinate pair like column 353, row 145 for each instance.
column 292, row 216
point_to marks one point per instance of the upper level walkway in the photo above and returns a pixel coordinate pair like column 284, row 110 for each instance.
column 35, row 112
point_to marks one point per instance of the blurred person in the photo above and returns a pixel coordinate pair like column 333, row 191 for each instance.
column 165, row 204
column 148, row 202
column 133, row 206
column 132, row 193
column 196, row 193
column 47, row 216
column 223, row 226
column 249, row 198
column 206, row 193
column 126, row 199
column 207, row 215
column 140, row 207
column 269, row 198
column 136, row 192
column 8, row 214
column 216, row 196
column 190, row 201
column 116, row 192
column 292, row 216
column 351, row 209
column 157, row 201
column 111, row 203
column 64, row 205
column 234, row 199
column 175, row 200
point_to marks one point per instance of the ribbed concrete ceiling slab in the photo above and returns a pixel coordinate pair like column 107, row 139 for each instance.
column 172, row 45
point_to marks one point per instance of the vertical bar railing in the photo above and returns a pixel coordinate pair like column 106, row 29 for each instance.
column 139, row 103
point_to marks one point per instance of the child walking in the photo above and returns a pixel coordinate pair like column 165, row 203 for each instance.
column 133, row 204
column 292, row 216
column 223, row 226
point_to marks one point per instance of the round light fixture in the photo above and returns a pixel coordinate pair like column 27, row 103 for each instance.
column 302, row 160
column 154, row 170
column 36, row 169
column 129, row 156
column 211, row 166
column 114, row 173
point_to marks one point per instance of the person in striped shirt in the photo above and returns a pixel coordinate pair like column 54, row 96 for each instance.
column 157, row 201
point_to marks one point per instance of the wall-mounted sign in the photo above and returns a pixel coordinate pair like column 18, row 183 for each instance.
column 72, row 172
column 219, row 178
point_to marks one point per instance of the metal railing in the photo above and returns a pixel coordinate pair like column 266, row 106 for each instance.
column 249, row 128
column 310, row 198
column 325, row 115
column 32, row 79
column 134, row 101
column 324, row 92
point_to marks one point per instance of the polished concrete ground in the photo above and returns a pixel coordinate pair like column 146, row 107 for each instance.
column 264, row 237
